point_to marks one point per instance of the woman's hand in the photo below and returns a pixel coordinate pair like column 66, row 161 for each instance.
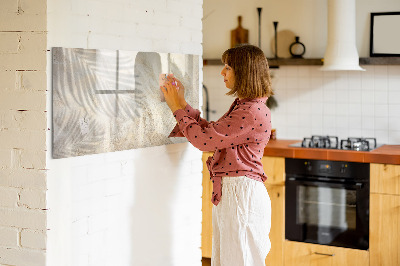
column 181, row 93
column 173, row 97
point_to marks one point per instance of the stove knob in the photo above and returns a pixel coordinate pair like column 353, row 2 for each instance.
column 308, row 166
column 343, row 168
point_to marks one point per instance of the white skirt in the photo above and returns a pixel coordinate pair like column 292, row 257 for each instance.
column 241, row 223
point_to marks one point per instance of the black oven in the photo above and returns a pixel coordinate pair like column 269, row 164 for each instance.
column 327, row 202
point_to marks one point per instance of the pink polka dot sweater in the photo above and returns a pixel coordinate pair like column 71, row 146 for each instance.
column 238, row 139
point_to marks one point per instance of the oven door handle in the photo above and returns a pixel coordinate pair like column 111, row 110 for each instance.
column 357, row 185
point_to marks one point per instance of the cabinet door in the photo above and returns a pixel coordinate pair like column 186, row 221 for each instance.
column 277, row 233
column 274, row 168
column 385, row 178
column 384, row 230
column 304, row 254
column 206, row 232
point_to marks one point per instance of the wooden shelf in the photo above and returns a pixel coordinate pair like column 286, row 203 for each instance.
column 273, row 63
column 380, row 61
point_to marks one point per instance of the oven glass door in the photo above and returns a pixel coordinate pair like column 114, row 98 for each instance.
column 326, row 213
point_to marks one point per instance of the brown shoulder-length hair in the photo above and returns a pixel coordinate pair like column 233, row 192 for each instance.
column 250, row 66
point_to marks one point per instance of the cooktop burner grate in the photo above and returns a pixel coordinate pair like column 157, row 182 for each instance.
column 332, row 142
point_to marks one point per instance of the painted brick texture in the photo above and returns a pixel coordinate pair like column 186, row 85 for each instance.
column 125, row 207
column 23, row 218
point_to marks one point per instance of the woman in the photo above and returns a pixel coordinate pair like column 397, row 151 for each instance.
column 242, row 208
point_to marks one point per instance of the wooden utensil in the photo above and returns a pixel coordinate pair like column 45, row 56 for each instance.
column 239, row 35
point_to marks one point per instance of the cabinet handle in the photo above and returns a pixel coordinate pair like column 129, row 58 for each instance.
column 325, row 254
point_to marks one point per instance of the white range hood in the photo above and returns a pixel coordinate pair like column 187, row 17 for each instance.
column 341, row 51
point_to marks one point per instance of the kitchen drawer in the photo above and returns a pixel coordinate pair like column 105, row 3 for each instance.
column 305, row 254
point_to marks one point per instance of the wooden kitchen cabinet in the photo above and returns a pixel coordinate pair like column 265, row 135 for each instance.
column 384, row 236
column 277, row 233
column 305, row 254
column 274, row 168
column 385, row 178
column 206, row 225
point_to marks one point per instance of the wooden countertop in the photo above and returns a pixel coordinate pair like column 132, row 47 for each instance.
column 389, row 154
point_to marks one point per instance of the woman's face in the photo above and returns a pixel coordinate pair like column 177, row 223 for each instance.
column 229, row 76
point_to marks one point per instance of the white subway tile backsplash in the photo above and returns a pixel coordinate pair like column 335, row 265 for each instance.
column 367, row 96
column 278, row 83
column 316, row 82
column 316, row 72
column 380, row 71
column 317, row 120
column 293, row 120
column 355, row 132
column 394, row 137
column 317, row 131
column 394, row 110
column 328, row 74
column 292, row 83
column 304, row 109
column 381, row 97
column 381, row 84
column 394, row 97
column 342, row 81
column 304, row 95
column 317, row 95
column 393, row 71
column 329, row 123
column 291, row 71
column 354, row 80
column 355, row 122
column 329, row 93
column 381, row 136
column 367, row 110
column 303, row 82
column 342, row 122
column 382, row 110
column 329, row 109
column 351, row 102
column 367, row 133
column 342, row 96
column 394, row 123
column 368, row 122
column 304, row 72
column 382, row 123
column 342, row 109
column 394, row 83
column 369, row 70
column 355, row 96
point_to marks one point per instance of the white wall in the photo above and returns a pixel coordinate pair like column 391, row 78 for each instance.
column 23, row 132
column 311, row 102
column 305, row 18
column 136, row 207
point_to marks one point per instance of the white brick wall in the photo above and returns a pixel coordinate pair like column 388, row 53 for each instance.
column 23, row 132
column 136, row 207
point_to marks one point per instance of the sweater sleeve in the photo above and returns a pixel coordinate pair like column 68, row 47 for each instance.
column 193, row 113
column 234, row 129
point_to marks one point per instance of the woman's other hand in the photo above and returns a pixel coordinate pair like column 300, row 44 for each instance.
column 181, row 93
column 172, row 96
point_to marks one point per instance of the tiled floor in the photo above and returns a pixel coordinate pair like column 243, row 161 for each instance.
column 206, row 261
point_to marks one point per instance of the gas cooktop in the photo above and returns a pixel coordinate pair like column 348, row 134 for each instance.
column 332, row 142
